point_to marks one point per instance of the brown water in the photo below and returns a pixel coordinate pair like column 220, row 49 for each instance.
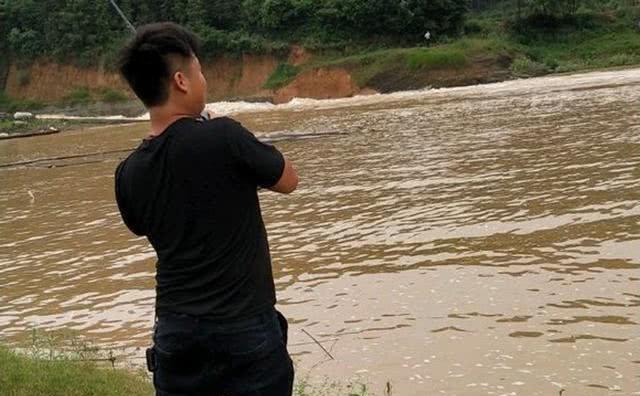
column 472, row 241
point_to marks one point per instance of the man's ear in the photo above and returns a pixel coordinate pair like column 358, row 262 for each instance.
column 181, row 82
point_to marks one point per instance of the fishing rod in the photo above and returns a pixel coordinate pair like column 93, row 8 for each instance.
column 124, row 17
column 50, row 161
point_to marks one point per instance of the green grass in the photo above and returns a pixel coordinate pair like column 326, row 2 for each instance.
column 363, row 66
column 367, row 65
column 303, row 388
column 10, row 105
column 109, row 95
column 47, row 373
column 595, row 42
column 522, row 66
column 281, row 76
column 592, row 39
column 12, row 127
column 587, row 51
column 79, row 95
column 60, row 363
column 25, row 376
column 436, row 58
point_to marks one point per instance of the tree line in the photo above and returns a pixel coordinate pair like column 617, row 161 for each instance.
column 77, row 30
column 64, row 28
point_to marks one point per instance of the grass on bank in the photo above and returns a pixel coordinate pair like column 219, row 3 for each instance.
column 368, row 65
column 526, row 47
column 282, row 76
column 10, row 105
column 586, row 51
column 60, row 363
column 78, row 96
column 24, row 376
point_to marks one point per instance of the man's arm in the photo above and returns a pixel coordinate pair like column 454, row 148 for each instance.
column 264, row 164
column 288, row 181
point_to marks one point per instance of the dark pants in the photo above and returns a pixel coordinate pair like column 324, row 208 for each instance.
column 198, row 356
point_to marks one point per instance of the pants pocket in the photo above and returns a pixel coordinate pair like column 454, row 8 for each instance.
column 284, row 326
column 182, row 361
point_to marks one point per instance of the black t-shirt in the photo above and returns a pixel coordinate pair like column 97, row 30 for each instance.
column 192, row 191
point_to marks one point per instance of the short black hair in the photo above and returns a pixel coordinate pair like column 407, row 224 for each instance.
column 148, row 61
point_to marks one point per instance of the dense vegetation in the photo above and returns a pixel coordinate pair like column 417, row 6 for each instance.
column 373, row 39
column 87, row 30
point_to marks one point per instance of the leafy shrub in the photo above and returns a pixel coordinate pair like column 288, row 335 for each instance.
column 10, row 105
column 110, row 95
column 522, row 66
column 78, row 95
column 282, row 76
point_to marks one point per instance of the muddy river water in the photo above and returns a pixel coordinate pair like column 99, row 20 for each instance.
column 471, row 241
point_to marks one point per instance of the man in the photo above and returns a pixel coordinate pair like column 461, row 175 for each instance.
column 191, row 189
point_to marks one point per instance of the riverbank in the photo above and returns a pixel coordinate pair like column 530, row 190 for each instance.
column 493, row 48
column 12, row 129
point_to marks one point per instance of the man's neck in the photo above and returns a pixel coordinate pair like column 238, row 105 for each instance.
column 162, row 117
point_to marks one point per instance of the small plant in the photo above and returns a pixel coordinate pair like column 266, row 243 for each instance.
column 623, row 60
column 110, row 95
column 523, row 66
column 333, row 388
column 11, row 105
column 283, row 75
column 78, row 95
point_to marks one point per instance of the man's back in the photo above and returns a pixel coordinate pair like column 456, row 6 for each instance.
column 191, row 189
column 192, row 192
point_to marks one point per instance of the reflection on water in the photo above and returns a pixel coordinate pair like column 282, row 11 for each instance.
column 479, row 240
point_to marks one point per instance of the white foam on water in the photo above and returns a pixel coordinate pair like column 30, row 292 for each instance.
column 97, row 118
column 552, row 83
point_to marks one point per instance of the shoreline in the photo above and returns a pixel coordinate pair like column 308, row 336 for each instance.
column 38, row 126
column 49, row 121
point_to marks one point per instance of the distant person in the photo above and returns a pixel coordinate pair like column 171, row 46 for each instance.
column 191, row 188
column 427, row 37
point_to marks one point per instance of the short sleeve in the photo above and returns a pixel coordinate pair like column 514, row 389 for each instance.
column 262, row 162
column 121, row 201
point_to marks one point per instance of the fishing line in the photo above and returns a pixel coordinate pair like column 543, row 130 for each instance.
column 279, row 138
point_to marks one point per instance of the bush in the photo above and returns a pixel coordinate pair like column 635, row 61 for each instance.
column 473, row 27
column 10, row 105
column 623, row 60
column 282, row 76
column 522, row 66
column 78, row 95
column 110, row 95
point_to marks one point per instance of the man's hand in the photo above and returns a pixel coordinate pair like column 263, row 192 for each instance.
column 209, row 114
column 288, row 181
